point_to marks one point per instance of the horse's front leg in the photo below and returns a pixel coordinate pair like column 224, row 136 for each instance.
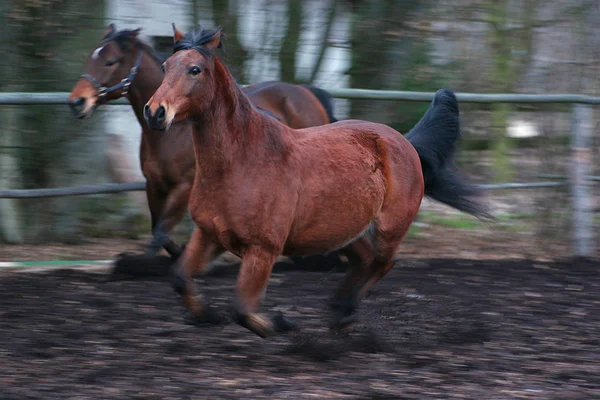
column 255, row 271
column 199, row 252
column 170, row 212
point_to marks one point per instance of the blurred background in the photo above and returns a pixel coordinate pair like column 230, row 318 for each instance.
column 477, row 46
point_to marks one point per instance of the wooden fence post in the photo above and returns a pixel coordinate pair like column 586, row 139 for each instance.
column 581, row 188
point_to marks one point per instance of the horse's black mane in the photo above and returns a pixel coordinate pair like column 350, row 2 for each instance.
column 196, row 39
column 125, row 37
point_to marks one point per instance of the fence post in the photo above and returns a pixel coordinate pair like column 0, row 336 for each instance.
column 581, row 193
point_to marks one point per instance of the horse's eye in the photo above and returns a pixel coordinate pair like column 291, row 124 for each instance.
column 194, row 70
column 110, row 63
column 162, row 68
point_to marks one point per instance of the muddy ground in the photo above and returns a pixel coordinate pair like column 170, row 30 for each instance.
column 475, row 329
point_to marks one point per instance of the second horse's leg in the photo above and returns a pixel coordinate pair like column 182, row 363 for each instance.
column 257, row 264
column 198, row 253
column 171, row 210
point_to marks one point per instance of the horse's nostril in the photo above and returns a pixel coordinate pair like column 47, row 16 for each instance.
column 157, row 120
column 77, row 105
column 161, row 114
column 147, row 111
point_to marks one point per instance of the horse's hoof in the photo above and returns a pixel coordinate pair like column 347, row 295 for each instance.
column 175, row 255
column 209, row 316
column 344, row 315
column 263, row 327
column 178, row 280
column 343, row 323
column 281, row 324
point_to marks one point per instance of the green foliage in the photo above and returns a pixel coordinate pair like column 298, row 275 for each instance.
column 98, row 217
column 384, row 56
column 458, row 221
column 236, row 55
column 501, row 158
column 418, row 76
column 506, row 221
column 45, row 44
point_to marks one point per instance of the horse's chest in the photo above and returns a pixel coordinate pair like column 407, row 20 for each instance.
column 236, row 218
column 219, row 227
column 205, row 206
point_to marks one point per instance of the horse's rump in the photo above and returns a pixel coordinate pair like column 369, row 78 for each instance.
column 348, row 170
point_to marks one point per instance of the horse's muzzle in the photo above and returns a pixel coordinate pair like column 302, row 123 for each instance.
column 77, row 106
column 156, row 121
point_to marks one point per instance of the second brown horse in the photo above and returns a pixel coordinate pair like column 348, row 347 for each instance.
column 121, row 65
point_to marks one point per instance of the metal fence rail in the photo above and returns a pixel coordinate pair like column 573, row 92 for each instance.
column 578, row 180
column 27, row 98
column 101, row 188
column 104, row 188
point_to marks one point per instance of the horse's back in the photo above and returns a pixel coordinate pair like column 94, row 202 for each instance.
column 294, row 105
column 350, row 129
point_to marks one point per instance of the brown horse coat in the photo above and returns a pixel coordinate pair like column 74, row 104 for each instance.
column 262, row 189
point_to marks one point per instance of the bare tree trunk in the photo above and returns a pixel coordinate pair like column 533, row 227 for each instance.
column 226, row 15
column 10, row 177
column 507, row 70
column 10, row 219
column 382, row 58
column 289, row 45
column 52, row 152
column 194, row 14
column 324, row 41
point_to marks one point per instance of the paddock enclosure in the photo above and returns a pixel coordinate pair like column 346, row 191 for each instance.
column 471, row 310
column 433, row 328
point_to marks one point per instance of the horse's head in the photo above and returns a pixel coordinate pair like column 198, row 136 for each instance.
column 188, row 85
column 109, row 71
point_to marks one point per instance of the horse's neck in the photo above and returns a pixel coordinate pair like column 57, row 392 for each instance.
column 143, row 86
column 232, row 129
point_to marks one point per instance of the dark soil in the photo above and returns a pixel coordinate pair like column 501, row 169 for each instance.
column 431, row 329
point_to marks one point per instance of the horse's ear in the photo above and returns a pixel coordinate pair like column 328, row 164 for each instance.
column 137, row 31
column 177, row 35
column 215, row 42
column 110, row 29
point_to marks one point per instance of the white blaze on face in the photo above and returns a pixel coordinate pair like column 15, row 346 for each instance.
column 96, row 52
column 170, row 117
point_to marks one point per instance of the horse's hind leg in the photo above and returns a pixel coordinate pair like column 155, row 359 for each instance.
column 257, row 264
column 198, row 253
column 391, row 228
column 346, row 299
column 377, row 253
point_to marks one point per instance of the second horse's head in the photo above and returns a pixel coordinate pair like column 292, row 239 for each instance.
column 109, row 71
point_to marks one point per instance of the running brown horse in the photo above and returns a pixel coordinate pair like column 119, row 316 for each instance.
column 263, row 189
column 121, row 65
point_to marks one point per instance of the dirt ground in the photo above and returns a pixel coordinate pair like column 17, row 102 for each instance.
column 433, row 328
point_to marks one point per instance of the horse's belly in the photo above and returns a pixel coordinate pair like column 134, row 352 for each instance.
column 337, row 213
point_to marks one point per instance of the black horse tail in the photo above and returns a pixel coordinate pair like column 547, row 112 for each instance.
column 325, row 98
column 435, row 137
